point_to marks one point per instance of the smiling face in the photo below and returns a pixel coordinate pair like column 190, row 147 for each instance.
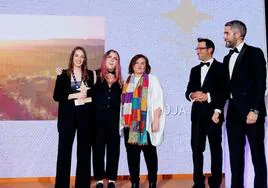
column 111, row 61
column 203, row 52
column 139, row 66
column 78, row 58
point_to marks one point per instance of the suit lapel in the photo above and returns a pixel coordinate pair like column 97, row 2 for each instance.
column 198, row 76
column 226, row 62
column 238, row 61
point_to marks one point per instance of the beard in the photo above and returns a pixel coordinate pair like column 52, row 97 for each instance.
column 230, row 44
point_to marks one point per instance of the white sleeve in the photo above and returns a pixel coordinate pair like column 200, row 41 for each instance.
column 156, row 100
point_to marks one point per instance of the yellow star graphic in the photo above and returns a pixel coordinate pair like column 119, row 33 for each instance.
column 186, row 16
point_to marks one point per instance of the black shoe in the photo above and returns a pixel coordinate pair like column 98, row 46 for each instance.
column 214, row 184
column 99, row 185
column 152, row 185
column 135, row 185
column 199, row 186
column 111, row 185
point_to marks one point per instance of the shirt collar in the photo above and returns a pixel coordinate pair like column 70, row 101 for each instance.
column 209, row 61
column 240, row 46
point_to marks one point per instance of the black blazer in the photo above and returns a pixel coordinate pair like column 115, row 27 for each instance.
column 66, row 108
column 248, row 81
column 214, row 84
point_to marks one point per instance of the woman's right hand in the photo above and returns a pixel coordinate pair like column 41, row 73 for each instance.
column 82, row 95
column 59, row 71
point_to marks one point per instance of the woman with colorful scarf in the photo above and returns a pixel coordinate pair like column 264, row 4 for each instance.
column 142, row 119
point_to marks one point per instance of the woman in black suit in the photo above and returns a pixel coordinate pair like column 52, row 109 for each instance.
column 72, row 91
column 107, row 93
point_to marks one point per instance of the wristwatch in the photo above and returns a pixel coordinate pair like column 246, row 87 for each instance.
column 255, row 111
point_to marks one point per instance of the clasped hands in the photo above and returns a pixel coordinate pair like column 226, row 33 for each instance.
column 199, row 96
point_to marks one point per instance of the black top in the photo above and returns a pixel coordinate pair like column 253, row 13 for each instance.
column 107, row 98
column 66, row 107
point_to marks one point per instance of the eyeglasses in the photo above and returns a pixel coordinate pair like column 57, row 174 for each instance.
column 201, row 48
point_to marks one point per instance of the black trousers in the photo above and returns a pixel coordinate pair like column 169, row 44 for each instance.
column 200, row 129
column 107, row 141
column 237, row 130
column 133, row 158
column 81, row 126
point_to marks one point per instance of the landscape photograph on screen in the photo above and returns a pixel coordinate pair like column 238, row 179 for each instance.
column 28, row 62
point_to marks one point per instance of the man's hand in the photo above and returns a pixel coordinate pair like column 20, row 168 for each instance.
column 199, row 96
column 216, row 117
column 252, row 118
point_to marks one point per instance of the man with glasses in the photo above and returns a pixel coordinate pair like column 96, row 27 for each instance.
column 206, row 91
column 245, row 68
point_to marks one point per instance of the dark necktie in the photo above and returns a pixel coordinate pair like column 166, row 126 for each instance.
column 235, row 50
column 207, row 64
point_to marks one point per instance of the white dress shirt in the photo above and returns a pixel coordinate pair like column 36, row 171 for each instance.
column 232, row 61
column 204, row 70
column 234, row 58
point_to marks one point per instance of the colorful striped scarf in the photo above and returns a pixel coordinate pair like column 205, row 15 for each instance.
column 134, row 112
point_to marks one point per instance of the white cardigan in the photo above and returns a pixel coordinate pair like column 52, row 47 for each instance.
column 155, row 100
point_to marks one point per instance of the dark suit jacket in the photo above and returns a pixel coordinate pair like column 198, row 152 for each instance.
column 214, row 84
column 66, row 110
column 248, row 81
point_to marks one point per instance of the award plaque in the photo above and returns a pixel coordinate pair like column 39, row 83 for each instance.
column 83, row 88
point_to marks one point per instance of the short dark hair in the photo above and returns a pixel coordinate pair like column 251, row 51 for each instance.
column 134, row 60
column 208, row 42
column 237, row 24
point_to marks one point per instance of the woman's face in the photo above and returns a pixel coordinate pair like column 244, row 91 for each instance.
column 79, row 58
column 111, row 61
column 140, row 66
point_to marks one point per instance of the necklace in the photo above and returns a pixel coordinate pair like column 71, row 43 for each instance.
column 75, row 81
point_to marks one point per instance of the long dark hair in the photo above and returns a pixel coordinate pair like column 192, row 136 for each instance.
column 84, row 68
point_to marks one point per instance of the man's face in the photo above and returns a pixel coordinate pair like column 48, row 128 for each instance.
column 230, row 37
column 203, row 52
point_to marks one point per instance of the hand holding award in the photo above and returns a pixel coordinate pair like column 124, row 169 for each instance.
column 83, row 97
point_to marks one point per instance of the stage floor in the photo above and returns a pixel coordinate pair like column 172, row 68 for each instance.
column 171, row 183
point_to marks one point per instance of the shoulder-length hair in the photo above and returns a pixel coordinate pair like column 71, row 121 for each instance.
column 104, row 70
column 135, row 59
column 84, row 68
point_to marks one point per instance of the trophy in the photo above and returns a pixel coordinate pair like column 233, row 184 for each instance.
column 83, row 88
